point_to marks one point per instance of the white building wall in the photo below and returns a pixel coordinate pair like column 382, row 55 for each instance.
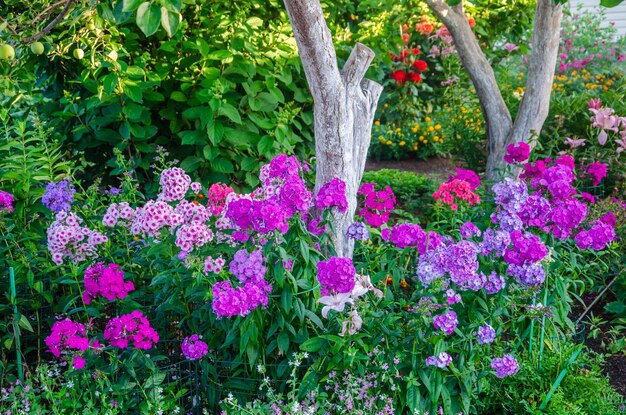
column 617, row 14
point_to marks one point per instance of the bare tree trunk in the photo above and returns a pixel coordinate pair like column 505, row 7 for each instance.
column 344, row 108
column 501, row 131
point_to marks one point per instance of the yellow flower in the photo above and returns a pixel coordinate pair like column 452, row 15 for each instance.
column 376, row 122
column 425, row 141
column 402, row 143
column 430, row 129
column 437, row 127
column 436, row 138
column 427, row 119
column 388, row 142
column 415, row 147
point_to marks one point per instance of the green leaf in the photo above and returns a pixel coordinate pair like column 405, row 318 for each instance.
column 283, row 341
column 412, row 397
column 254, row 22
column 148, row 17
column 219, row 55
column 265, row 146
column 222, row 165
column 313, row 345
column 230, row 112
column 154, row 380
column 130, row 5
column 615, row 307
column 135, row 72
column 610, row 3
column 178, row 96
column 25, row 324
column 191, row 164
column 170, row 21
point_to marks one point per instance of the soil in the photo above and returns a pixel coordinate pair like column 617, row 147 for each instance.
column 437, row 167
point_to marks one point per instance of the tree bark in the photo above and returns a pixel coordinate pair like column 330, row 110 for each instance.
column 501, row 131
column 344, row 108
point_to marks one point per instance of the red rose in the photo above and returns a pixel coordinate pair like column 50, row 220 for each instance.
column 420, row 65
column 415, row 77
column 405, row 38
column 400, row 76
column 416, row 51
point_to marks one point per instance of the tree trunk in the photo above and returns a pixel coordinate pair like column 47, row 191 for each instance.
column 344, row 108
column 501, row 131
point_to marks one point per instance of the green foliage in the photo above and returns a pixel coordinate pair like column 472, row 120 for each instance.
column 206, row 82
column 413, row 191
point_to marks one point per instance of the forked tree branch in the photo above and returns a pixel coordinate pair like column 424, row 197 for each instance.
column 50, row 25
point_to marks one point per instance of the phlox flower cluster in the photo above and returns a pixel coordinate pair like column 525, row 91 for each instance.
column 154, row 216
column 67, row 336
column 59, row 196
column 193, row 234
column 446, row 322
column 229, row 301
column 442, row 360
column 469, row 176
column 597, row 237
column 358, row 231
column 597, row 172
column 116, row 212
column 486, row 334
column 378, row 204
column 194, row 348
column 133, row 327
column 517, row 152
column 405, row 235
column 494, row 283
column 336, row 275
column 261, row 216
column 216, row 198
column 6, row 202
column 469, row 230
column 213, row 264
column 505, row 366
column 455, row 192
column 107, row 281
column 332, row 195
column 68, row 239
column 174, row 184
column 282, row 183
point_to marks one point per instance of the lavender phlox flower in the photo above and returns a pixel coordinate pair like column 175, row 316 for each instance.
column 442, row 360
column 505, row 365
column 357, row 231
column 486, row 334
column 446, row 322
column 59, row 196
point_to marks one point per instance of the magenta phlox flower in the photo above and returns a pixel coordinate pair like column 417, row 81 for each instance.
column 134, row 327
column 505, row 366
column 517, row 152
column 194, row 348
column 469, row 176
column 601, row 233
column 216, row 198
column 597, row 171
column 6, row 202
column 469, row 230
column 336, row 275
column 526, row 249
column 107, row 281
column 594, row 103
column 565, row 216
column 332, row 194
column 378, row 204
column 67, row 336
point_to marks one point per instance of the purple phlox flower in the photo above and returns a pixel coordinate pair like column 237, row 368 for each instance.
column 335, row 302
column 469, row 230
column 446, row 322
column 495, row 283
column 358, row 231
column 174, row 184
column 442, row 360
column 505, row 365
column 529, row 275
column 194, row 348
column 526, row 249
column 486, row 334
column 59, row 196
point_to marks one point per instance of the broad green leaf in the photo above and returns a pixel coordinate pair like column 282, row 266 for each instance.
column 610, row 3
column 154, row 380
column 265, row 146
column 170, row 21
column 222, row 165
column 178, row 96
column 219, row 55
column 283, row 341
column 130, row 5
column 313, row 345
column 230, row 112
column 25, row 324
column 148, row 17
column 191, row 164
